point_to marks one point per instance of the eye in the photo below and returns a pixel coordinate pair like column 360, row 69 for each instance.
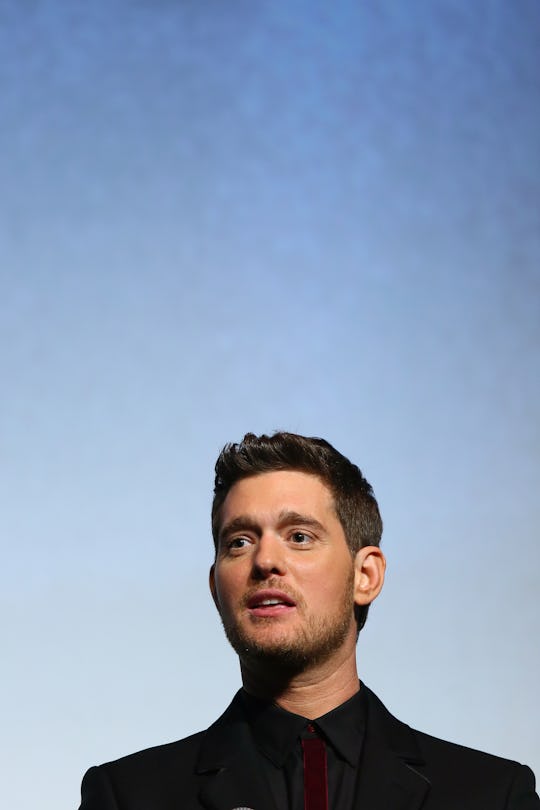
column 300, row 538
column 236, row 543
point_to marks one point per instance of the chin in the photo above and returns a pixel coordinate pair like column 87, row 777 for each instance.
column 289, row 655
column 282, row 657
column 291, row 648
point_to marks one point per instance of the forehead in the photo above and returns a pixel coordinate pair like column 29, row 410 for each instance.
column 273, row 492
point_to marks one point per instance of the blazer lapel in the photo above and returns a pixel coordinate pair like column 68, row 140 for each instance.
column 230, row 771
column 390, row 778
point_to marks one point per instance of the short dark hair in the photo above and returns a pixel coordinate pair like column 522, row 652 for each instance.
column 354, row 501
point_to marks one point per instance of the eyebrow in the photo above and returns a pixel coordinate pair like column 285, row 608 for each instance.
column 287, row 517
column 241, row 523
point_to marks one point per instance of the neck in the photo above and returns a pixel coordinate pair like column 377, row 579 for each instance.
column 310, row 693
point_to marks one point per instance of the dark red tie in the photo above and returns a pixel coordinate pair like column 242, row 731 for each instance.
column 315, row 779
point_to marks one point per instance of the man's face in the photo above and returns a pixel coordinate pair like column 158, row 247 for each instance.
column 284, row 575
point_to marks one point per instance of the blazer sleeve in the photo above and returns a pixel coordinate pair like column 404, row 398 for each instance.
column 522, row 794
column 96, row 791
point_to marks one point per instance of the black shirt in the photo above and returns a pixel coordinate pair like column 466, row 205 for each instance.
column 277, row 734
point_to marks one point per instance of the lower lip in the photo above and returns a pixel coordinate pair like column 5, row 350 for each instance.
column 269, row 611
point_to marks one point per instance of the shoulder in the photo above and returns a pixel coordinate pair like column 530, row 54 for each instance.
column 185, row 751
column 442, row 754
column 161, row 776
column 147, row 778
column 420, row 745
column 452, row 769
column 159, row 756
column 477, row 775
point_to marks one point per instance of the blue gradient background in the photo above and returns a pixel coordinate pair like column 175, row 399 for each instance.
column 219, row 217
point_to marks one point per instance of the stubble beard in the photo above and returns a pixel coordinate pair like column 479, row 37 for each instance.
column 312, row 644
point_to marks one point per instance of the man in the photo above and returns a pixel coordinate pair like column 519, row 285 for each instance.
column 297, row 530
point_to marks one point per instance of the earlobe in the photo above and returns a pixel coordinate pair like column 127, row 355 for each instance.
column 369, row 568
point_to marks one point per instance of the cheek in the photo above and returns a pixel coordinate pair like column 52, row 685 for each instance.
column 228, row 588
column 330, row 587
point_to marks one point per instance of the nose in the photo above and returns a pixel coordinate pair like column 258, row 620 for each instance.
column 269, row 557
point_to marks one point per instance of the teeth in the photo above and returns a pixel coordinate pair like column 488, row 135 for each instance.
column 270, row 602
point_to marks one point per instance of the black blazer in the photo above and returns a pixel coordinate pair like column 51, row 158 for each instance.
column 401, row 769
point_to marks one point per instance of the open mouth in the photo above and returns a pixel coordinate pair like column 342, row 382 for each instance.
column 270, row 603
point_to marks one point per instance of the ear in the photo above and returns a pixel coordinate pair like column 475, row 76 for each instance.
column 369, row 568
column 212, row 584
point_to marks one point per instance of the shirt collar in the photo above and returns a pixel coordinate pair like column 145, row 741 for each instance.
column 276, row 730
